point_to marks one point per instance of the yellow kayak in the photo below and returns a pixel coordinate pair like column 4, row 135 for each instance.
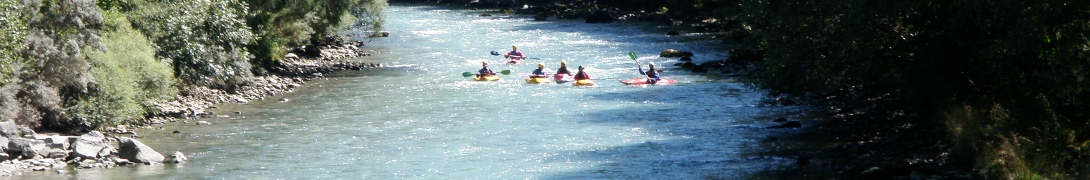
column 486, row 78
column 584, row 82
column 537, row 80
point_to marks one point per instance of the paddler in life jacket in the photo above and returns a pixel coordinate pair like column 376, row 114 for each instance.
column 563, row 68
column 485, row 71
column 581, row 75
column 539, row 72
column 514, row 54
column 652, row 75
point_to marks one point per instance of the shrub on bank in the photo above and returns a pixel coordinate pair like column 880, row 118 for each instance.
column 204, row 40
column 128, row 78
column 280, row 25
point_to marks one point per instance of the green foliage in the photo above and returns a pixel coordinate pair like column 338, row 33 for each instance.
column 49, row 67
column 11, row 38
column 47, row 80
column 205, row 40
column 1026, row 60
column 369, row 15
column 129, row 78
column 282, row 24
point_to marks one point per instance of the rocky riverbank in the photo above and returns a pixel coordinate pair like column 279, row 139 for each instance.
column 295, row 70
column 24, row 150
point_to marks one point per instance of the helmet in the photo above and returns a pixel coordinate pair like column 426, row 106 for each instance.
column 580, row 67
column 562, row 63
column 484, row 62
column 651, row 64
column 514, row 47
column 540, row 65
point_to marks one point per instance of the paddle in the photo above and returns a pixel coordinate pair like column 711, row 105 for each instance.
column 638, row 66
column 528, row 74
column 468, row 74
column 495, row 53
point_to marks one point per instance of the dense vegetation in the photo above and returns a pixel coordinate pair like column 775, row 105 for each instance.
column 76, row 65
column 1006, row 81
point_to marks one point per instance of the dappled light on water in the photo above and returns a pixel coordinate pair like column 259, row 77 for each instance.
column 418, row 117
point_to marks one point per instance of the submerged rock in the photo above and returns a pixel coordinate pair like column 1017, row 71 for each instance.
column 789, row 124
column 674, row 53
column 178, row 157
column 874, row 173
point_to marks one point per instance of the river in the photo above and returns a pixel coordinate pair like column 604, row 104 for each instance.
column 418, row 118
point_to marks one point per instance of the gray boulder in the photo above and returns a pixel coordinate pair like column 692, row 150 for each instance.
column 136, row 151
column 674, row 53
column 89, row 145
column 4, row 144
column 59, row 142
column 9, row 129
column 28, row 147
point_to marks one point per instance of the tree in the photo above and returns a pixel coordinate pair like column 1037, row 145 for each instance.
column 50, row 66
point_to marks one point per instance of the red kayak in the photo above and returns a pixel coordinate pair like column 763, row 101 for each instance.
column 515, row 60
column 562, row 78
column 638, row 81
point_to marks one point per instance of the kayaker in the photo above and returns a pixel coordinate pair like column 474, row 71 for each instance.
column 539, row 72
column 515, row 53
column 581, row 75
column 652, row 75
column 485, row 71
column 563, row 68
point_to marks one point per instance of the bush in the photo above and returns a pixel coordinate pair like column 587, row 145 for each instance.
column 49, row 67
column 283, row 24
column 129, row 78
column 205, row 40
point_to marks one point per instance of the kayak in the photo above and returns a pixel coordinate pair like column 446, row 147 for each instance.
column 514, row 61
column 486, row 78
column 583, row 82
column 638, row 81
column 537, row 80
column 559, row 78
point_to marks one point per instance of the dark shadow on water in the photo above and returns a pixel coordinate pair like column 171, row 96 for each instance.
column 713, row 130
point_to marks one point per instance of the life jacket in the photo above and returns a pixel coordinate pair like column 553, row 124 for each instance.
column 515, row 53
column 651, row 73
column 563, row 70
column 539, row 72
column 581, row 75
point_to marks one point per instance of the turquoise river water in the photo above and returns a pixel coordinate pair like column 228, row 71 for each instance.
column 418, row 118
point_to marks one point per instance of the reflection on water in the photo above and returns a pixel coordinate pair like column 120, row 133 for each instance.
column 421, row 119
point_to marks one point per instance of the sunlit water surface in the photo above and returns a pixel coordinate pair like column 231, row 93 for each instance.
column 419, row 118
